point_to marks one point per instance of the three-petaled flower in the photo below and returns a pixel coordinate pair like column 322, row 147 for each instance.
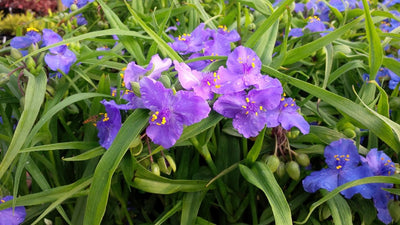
column 11, row 216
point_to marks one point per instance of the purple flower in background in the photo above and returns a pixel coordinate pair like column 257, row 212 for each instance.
column 242, row 65
column 296, row 32
column 319, row 8
column 248, row 110
column 380, row 165
column 134, row 73
column 343, row 162
column 390, row 3
column 342, row 5
column 79, row 3
column 32, row 36
column 390, row 24
column 11, row 216
column 287, row 115
column 169, row 112
column 60, row 57
column 315, row 24
column 299, row 7
column 191, row 43
column 109, row 124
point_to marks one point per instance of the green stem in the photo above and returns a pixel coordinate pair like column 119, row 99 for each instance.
column 253, row 206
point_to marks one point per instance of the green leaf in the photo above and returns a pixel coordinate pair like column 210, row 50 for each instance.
column 383, row 103
column 168, row 214
column 149, row 182
column 256, row 36
column 190, row 207
column 382, row 127
column 87, row 155
column 130, row 43
column 81, row 145
column 265, row 49
column 256, row 149
column 99, row 190
column 161, row 43
column 344, row 68
column 34, row 97
column 375, row 56
column 302, row 52
column 260, row 176
column 340, row 210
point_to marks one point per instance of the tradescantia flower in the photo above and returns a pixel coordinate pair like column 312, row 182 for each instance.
column 134, row 73
column 315, row 24
column 287, row 115
column 60, row 57
column 109, row 124
column 381, row 165
column 191, row 43
column 79, row 3
column 32, row 36
column 249, row 110
column 243, row 68
column 343, row 162
column 11, row 216
column 169, row 112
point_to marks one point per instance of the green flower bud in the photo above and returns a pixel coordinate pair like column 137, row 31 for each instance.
column 350, row 133
column 155, row 169
column 171, row 162
column 281, row 169
column 252, row 26
column 30, row 64
column 272, row 162
column 293, row 170
column 73, row 7
column 15, row 53
column 136, row 88
column 4, row 78
column 294, row 133
column 33, row 48
column 145, row 163
column 303, row 159
column 163, row 166
column 165, row 81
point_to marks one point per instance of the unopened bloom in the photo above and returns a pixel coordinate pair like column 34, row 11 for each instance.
column 343, row 163
column 109, row 124
column 169, row 112
column 11, row 216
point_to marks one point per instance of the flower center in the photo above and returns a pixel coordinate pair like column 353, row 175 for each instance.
column 159, row 118
column 341, row 160
column 252, row 107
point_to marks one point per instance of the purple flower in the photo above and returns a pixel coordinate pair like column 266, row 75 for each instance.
column 389, row 3
column 380, row 165
column 203, row 84
column 79, row 3
column 249, row 110
column 315, row 24
column 287, row 115
column 31, row 37
column 134, row 73
column 343, row 162
column 319, row 8
column 11, row 216
column 169, row 112
column 242, row 65
column 60, row 57
column 299, row 7
column 109, row 125
column 296, row 32
column 191, row 43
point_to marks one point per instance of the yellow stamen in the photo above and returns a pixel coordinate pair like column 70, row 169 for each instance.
column 247, row 100
column 32, row 29
column 106, row 118
column 339, row 167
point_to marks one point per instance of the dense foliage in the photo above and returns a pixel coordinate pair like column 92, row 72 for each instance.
column 191, row 112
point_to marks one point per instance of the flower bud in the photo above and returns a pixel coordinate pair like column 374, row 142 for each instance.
column 350, row 133
column 272, row 162
column 145, row 162
column 294, row 133
column 155, row 169
column 30, row 64
column 136, row 88
column 33, row 48
column 293, row 170
column 252, row 26
column 171, row 162
column 165, row 81
column 163, row 166
column 303, row 159
column 73, row 7
column 281, row 169
column 4, row 78
column 15, row 53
